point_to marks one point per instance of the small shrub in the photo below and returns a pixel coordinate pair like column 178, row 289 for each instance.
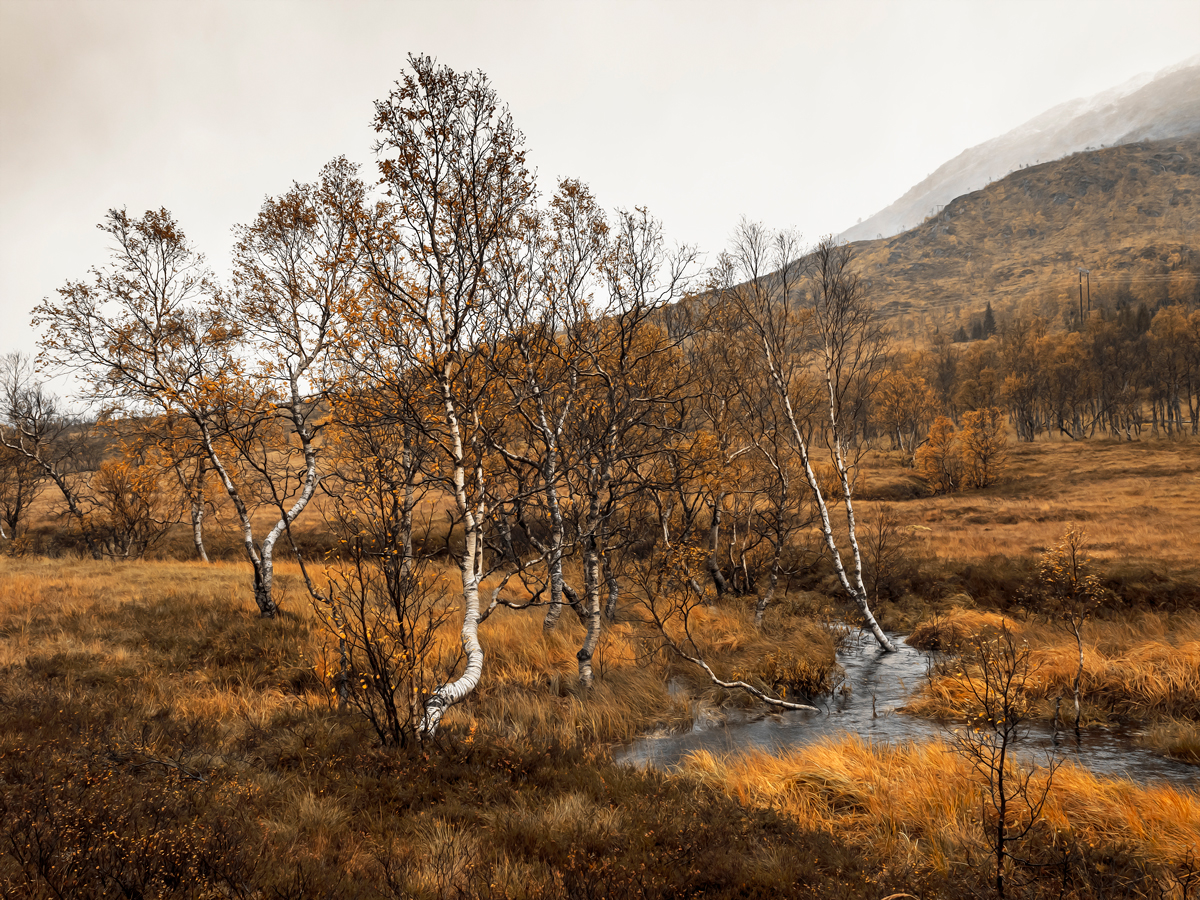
column 983, row 446
column 938, row 460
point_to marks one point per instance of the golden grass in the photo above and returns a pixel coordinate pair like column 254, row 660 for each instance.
column 530, row 692
column 1177, row 738
column 918, row 804
column 1140, row 496
column 1143, row 669
column 151, row 716
column 154, row 689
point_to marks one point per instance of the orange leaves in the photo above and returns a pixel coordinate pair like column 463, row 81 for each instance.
column 904, row 404
column 973, row 457
column 1065, row 581
column 939, row 461
column 983, row 445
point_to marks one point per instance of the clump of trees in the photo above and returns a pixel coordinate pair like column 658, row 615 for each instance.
column 541, row 367
column 1119, row 375
column 972, row 456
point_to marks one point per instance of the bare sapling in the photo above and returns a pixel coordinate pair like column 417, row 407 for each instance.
column 1068, row 593
column 385, row 630
column 626, row 385
column 996, row 674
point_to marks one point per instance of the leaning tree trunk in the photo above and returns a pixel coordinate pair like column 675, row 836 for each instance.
column 194, row 490
column 263, row 576
column 557, row 532
column 599, row 480
column 856, row 591
column 614, row 587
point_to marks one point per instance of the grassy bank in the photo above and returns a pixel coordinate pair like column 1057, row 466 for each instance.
column 918, row 808
column 1142, row 670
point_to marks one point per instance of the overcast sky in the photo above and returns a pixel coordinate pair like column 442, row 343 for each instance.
column 802, row 114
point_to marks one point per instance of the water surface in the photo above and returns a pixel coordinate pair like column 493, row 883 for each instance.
column 877, row 686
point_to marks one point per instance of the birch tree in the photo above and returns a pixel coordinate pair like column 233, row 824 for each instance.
column 297, row 276
column 152, row 330
column 820, row 352
column 546, row 276
column 21, row 477
column 626, row 378
column 453, row 165
column 173, row 442
column 37, row 431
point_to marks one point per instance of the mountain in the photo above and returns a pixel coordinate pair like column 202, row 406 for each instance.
column 1146, row 108
column 1129, row 214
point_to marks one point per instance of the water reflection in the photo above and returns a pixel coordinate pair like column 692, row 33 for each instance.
column 876, row 687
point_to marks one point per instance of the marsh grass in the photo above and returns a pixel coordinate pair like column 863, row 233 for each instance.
column 917, row 806
column 1142, row 493
column 159, row 739
column 1142, row 670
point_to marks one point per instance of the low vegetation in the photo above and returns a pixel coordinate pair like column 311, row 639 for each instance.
column 161, row 737
column 1142, row 670
column 916, row 809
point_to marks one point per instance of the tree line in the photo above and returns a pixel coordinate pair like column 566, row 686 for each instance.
column 1124, row 374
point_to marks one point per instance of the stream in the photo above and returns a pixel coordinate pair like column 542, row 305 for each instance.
column 878, row 685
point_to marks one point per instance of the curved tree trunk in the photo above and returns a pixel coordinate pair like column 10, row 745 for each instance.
column 446, row 695
column 263, row 574
column 469, row 565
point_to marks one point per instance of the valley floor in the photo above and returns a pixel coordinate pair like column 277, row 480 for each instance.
column 158, row 739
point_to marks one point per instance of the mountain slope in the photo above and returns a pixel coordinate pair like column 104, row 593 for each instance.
column 1143, row 109
column 1129, row 214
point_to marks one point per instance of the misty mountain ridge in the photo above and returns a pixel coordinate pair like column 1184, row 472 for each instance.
column 1145, row 108
column 1129, row 214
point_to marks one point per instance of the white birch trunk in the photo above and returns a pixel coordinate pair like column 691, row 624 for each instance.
column 856, row 592
column 262, row 576
column 591, row 600
column 446, row 695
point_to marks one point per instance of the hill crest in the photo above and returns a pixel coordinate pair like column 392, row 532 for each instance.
column 1162, row 107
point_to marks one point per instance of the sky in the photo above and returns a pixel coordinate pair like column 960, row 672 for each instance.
column 805, row 114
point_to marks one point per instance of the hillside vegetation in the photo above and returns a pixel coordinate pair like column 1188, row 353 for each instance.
column 1130, row 214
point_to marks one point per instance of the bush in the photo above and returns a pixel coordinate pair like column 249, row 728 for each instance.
column 973, row 457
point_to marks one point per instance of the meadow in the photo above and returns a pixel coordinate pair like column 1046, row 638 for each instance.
column 160, row 739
